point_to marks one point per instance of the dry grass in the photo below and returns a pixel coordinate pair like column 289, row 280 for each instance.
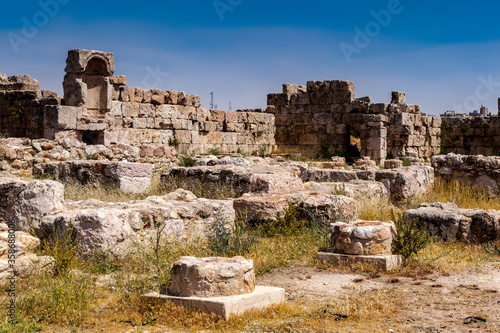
column 463, row 195
column 447, row 258
column 202, row 189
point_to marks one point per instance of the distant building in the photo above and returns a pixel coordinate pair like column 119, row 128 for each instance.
column 483, row 112
column 452, row 113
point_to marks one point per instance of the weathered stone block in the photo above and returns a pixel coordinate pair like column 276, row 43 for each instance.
column 211, row 277
column 363, row 238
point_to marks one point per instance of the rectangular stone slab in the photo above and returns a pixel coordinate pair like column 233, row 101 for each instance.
column 229, row 306
column 385, row 263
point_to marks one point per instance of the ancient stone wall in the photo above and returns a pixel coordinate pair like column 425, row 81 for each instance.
column 325, row 118
column 21, row 106
column 471, row 135
column 99, row 109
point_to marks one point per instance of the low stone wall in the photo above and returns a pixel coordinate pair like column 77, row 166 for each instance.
column 471, row 169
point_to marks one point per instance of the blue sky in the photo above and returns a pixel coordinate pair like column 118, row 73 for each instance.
column 441, row 53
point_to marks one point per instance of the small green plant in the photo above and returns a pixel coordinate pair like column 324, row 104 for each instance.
column 493, row 249
column 241, row 152
column 214, row 151
column 287, row 224
column 229, row 241
column 325, row 151
column 411, row 237
column 61, row 245
column 93, row 157
column 258, row 134
column 173, row 142
column 186, row 161
column 264, row 149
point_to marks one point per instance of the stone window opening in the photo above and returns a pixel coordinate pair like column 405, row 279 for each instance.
column 93, row 137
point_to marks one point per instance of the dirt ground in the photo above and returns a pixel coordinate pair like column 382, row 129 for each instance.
column 434, row 303
column 430, row 303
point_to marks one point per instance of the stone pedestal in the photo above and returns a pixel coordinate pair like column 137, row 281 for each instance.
column 363, row 243
column 223, row 286
column 363, row 237
column 211, row 277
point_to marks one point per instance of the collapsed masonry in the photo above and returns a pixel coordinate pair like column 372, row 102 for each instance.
column 321, row 119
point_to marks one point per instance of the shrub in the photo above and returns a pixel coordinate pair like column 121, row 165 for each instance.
column 214, row 151
column 173, row 142
column 287, row 224
column 61, row 245
column 186, row 161
column 229, row 241
column 411, row 237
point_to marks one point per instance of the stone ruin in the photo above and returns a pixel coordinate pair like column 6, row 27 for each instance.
column 99, row 109
column 101, row 126
column 324, row 116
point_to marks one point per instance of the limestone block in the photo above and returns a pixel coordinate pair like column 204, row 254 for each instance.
column 139, row 122
column 131, row 177
column 343, row 96
column 158, row 96
column 61, row 117
column 27, row 202
column 130, row 109
column 118, row 80
column 393, row 164
column 363, row 237
column 398, row 97
column 342, row 85
column 378, row 108
column 75, row 90
column 172, row 97
column 146, row 96
column 127, row 94
column 321, row 97
column 211, row 277
column 315, row 86
column 260, row 207
column 217, row 115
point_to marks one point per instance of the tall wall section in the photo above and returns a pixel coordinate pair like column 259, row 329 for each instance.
column 325, row 117
column 22, row 106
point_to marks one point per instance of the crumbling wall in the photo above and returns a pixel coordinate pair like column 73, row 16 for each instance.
column 472, row 169
column 326, row 118
column 21, row 106
column 471, row 135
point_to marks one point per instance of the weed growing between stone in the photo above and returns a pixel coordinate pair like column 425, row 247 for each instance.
column 411, row 236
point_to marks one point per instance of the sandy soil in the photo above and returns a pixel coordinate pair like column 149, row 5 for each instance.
column 432, row 303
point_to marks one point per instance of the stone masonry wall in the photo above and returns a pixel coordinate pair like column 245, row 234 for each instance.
column 323, row 116
column 21, row 106
column 471, row 135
